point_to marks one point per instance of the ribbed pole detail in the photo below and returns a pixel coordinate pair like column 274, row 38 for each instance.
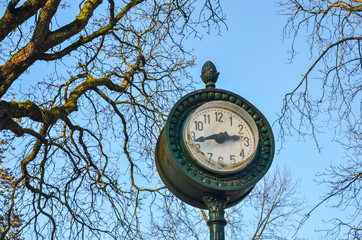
column 216, row 206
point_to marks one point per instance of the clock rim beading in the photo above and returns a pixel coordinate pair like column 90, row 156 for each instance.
column 229, row 182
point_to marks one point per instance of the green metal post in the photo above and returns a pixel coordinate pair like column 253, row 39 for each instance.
column 216, row 206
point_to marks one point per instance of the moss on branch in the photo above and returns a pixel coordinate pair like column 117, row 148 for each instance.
column 13, row 17
column 29, row 109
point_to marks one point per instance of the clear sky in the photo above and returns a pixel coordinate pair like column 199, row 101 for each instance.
column 253, row 61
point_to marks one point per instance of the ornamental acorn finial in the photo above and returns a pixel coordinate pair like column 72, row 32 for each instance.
column 209, row 74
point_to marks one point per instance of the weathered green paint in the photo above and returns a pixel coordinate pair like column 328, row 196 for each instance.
column 216, row 205
column 209, row 74
column 190, row 182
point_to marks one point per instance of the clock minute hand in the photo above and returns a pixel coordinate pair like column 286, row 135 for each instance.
column 226, row 136
column 234, row 137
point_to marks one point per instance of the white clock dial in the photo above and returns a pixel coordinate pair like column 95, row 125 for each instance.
column 221, row 137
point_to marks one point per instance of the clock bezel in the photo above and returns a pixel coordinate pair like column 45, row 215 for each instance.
column 236, row 109
column 190, row 182
column 242, row 179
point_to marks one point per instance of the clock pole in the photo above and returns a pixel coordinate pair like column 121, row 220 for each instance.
column 216, row 206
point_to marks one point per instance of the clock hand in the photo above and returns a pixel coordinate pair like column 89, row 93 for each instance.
column 234, row 137
column 225, row 136
column 219, row 138
column 203, row 139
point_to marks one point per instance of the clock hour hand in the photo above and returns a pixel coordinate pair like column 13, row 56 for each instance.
column 219, row 138
column 203, row 139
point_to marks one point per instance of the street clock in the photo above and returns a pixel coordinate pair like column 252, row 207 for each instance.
column 214, row 148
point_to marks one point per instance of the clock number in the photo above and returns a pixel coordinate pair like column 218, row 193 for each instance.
column 193, row 135
column 210, row 154
column 199, row 126
column 232, row 158
column 242, row 154
column 246, row 142
column 198, row 145
column 207, row 119
column 221, row 159
column 231, row 120
column 218, row 116
column 240, row 127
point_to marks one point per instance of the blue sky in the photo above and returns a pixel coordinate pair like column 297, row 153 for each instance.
column 253, row 61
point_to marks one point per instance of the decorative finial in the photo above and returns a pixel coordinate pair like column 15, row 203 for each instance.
column 209, row 74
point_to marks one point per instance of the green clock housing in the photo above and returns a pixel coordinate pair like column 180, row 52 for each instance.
column 214, row 142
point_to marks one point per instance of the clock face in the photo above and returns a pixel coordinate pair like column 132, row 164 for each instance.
column 221, row 137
